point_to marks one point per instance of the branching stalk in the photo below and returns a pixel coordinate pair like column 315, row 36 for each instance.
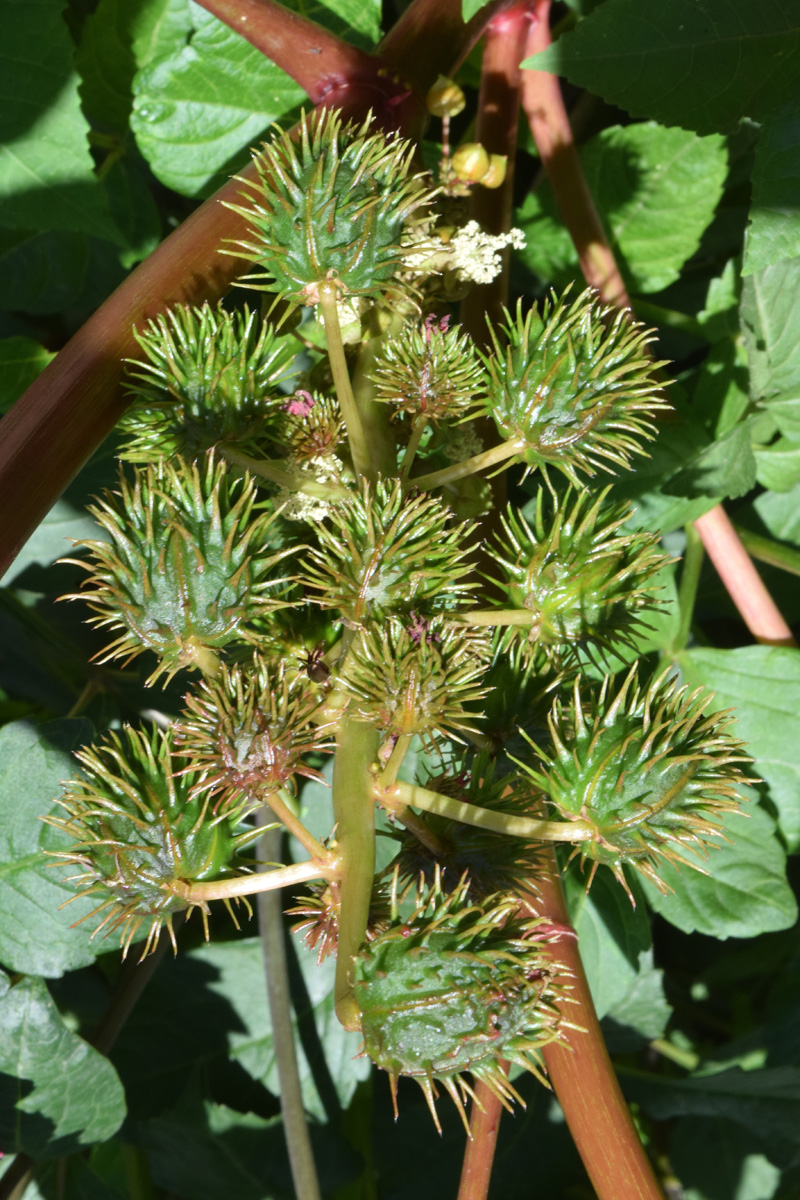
column 293, row 481
column 251, row 885
column 470, row 466
column 328, row 294
column 353, row 805
column 485, row 818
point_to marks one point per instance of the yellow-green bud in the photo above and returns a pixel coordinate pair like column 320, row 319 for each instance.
column 471, row 162
column 445, row 98
column 496, row 174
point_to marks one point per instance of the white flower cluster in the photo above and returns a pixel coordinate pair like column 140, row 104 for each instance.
column 475, row 255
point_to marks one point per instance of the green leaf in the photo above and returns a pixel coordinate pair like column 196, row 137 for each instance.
column 470, row 7
column 720, row 397
column 657, row 189
column 785, row 411
column 221, row 987
column 612, row 935
column 764, row 1103
column 714, row 1161
column 726, row 468
column 48, row 272
column 36, row 934
column 774, row 232
column 119, row 37
column 781, row 514
column 720, row 316
column 770, row 317
column 47, row 176
column 778, row 465
column 21, row 360
column 56, row 1092
column 701, row 64
column 745, row 891
column 196, row 112
column 762, row 683
column 644, row 1007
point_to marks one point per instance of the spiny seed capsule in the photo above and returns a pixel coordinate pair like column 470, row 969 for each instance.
column 584, row 579
column 246, row 733
column 385, row 551
column 188, row 569
column 335, row 205
column 645, row 770
column 572, row 386
column 431, row 371
column 205, row 376
column 142, row 833
column 452, row 987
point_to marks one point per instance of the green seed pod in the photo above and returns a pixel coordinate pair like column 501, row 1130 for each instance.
column 489, row 862
column 583, row 579
column 445, row 98
column 384, row 552
column 417, row 678
column 312, row 428
column 207, row 376
column 245, row 733
column 646, row 770
column 576, row 392
column 454, row 987
column 188, row 568
column 142, row 834
column 430, row 371
column 336, row 206
column 470, row 162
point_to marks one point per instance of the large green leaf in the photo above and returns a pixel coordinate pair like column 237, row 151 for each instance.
column 657, row 189
column 715, row 1160
column 745, row 892
column 781, row 514
column 774, row 232
column 47, row 179
column 762, row 683
column 120, row 37
column 56, row 1092
column 36, row 934
column 51, row 271
column 211, row 1004
column 198, row 110
column 612, row 936
column 764, row 1103
column 770, row 317
column 702, row 64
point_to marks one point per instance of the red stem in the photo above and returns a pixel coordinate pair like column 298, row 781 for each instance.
column 551, row 130
column 496, row 130
column 544, row 106
column 484, row 1125
column 431, row 39
column 584, row 1081
column 315, row 58
column 741, row 579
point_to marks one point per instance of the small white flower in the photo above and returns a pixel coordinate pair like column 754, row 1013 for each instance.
column 475, row 255
column 297, row 506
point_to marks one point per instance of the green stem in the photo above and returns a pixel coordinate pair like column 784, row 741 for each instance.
column 486, row 818
column 420, row 425
column 328, row 295
column 497, row 616
column 353, row 810
column 768, row 551
column 250, row 885
column 293, row 481
column 687, row 592
column 470, row 466
column 399, row 751
column 683, row 1058
column 295, row 1126
column 295, row 826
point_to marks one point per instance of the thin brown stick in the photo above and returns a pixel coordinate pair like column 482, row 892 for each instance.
column 741, row 579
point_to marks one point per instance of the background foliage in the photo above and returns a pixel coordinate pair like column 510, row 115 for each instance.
column 118, row 117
